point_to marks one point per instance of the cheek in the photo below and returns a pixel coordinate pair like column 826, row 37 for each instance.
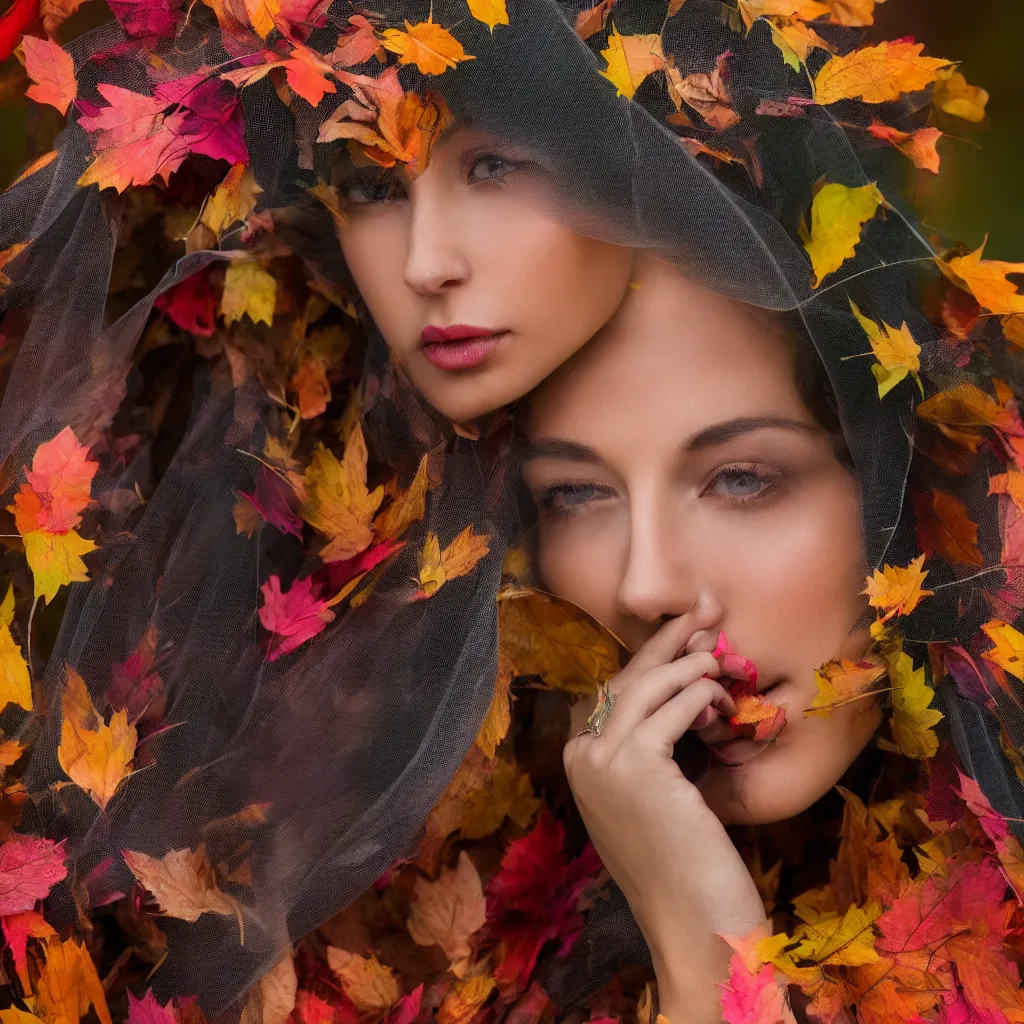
column 374, row 248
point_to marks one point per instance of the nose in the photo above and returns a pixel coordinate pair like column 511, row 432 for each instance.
column 435, row 263
column 658, row 579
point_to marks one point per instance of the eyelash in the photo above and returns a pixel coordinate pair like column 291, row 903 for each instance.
column 547, row 499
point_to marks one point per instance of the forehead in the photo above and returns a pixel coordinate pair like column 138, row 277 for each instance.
column 675, row 357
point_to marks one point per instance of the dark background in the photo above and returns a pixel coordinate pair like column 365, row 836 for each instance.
column 976, row 193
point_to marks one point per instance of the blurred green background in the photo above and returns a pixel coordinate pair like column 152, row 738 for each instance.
column 976, row 193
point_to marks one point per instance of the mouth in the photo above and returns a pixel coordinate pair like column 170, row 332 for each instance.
column 732, row 751
column 460, row 346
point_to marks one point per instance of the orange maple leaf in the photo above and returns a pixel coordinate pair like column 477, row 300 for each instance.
column 52, row 69
column 460, row 557
column 630, row 59
column 896, row 590
column 843, row 680
column 450, row 911
column 944, row 528
column 58, row 488
column 406, row 507
column 310, row 384
column 919, row 146
column 68, row 984
column 182, row 883
column 430, row 47
column 464, row 999
column 986, row 280
column 757, row 717
column 1008, row 652
column 876, row 74
column 97, row 757
column 371, row 985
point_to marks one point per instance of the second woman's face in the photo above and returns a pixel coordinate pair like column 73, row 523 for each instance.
column 477, row 288
column 677, row 470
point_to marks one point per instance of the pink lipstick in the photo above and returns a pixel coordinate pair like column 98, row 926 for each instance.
column 458, row 347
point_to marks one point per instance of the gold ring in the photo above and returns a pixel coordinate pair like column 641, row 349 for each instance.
column 605, row 702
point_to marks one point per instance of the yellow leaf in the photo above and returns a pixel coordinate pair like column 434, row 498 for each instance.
column 853, row 13
column 449, row 911
column 896, row 351
column 15, row 685
column 460, row 557
column 840, row 681
column 365, row 980
column 953, row 96
column 15, row 1016
column 807, row 10
column 986, row 280
column 1008, row 652
column 68, row 985
column 490, row 12
column 262, row 14
column 55, row 560
column 233, row 200
column 847, row 941
column 896, row 590
column 430, row 47
column 542, row 635
column 248, row 290
column 838, row 214
column 338, row 502
column 630, row 59
column 508, row 794
column 182, row 882
column 464, row 998
column 876, row 74
column 94, row 755
column 406, row 508
column 912, row 716
column 7, row 607
column 499, row 714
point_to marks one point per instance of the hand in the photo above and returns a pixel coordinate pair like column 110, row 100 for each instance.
column 685, row 881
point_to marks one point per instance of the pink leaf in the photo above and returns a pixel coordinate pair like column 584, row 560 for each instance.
column 752, row 998
column 52, row 69
column 148, row 1010
column 29, row 869
column 991, row 820
column 147, row 17
column 407, row 1009
column 292, row 616
column 275, row 501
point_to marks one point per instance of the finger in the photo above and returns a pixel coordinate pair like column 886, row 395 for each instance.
column 645, row 694
column 666, row 645
column 682, row 711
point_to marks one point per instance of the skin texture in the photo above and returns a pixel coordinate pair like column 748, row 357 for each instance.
column 668, row 534
column 474, row 240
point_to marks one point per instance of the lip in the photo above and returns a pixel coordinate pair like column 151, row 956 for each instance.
column 433, row 335
column 736, row 752
column 459, row 347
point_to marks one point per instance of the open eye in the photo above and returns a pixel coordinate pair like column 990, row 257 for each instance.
column 743, row 483
column 490, row 167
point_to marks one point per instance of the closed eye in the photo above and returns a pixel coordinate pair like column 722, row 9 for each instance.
column 570, row 498
column 368, row 189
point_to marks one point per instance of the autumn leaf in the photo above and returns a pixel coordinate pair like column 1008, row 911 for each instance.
column 753, row 998
column 15, row 683
column 1008, row 652
column 896, row 351
column 273, row 999
column 952, row 95
column 292, row 616
column 29, row 869
column 450, row 911
column 464, row 999
column 806, row 10
column 55, row 560
column 847, row 940
column 18, row 929
column 338, row 502
column 248, row 291
column 544, row 636
column 58, row 486
column 430, row 47
column 705, row 92
column 95, row 756
column 365, row 980
column 919, row 146
column 630, row 59
column 897, row 590
column 16, row 20
column 148, row 1010
column 912, row 714
column 876, row 74
column 357, row 44
column 944, row 528
column 1010, row 483
column 407, row 507
column 852, row 13
column 68, row 984
column 182, row 883
column 490, row 12
column 987, row 280
column 843, row 680
column 499, row 714
column 52, row 69
column 838, row 215
column 233, row 201
column 593, row 20
column 437, row 567
column 311, row 387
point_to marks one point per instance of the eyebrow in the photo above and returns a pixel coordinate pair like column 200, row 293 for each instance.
column 709, row 437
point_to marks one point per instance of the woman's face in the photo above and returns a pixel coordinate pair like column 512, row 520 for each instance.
column 676, row 468
column 478, row 290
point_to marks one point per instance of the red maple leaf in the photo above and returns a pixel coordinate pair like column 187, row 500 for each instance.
column 190, row 305
column 58, row 486
column 275, row 501
column 29, row 869
column 14, row 22
column 147, row 17
column 534, row 899
column 291, row 616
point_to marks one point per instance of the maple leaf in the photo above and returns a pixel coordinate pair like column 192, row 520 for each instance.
column 952, row 95
column 18, row 929
column 182, row 883
column 273, row 999
column 1008, row 652
column 148, row 1010
column 845, row 940
column 593, row 19
column 29, row 869
column 464, row 999
column 58, row 487
column 371, row 985
column 919, row 146
column 853, row 13
column 838, row 215
column 136, row 688
column 807, row 10
column 292, row 616
column 306, row 73
column 357, row 44
column 68, row 984
column 876, row 74
column 55, row 560
column 840, row 681
column 705, row 92
column 749, row 998
column 499, row 714
column 232, row 201
column 944, row 528
column 450, row 911
column 992, row 822
column 896, row 590
column 339, row 504
column 190, row 305
column 147, row 17
column 248, row 291
column 52, row 69
column 490, row 12
column 14, row 22
column 630, row 59
column 95, row 756
column 896, row 351
column 757, row 718
column 309, row 382
column 437, row 567
column 274, row 498
column 15, row 683
column 986, row 280
column 545, row 636
column 912, row 714
column 430, row 47
column 407, row 507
